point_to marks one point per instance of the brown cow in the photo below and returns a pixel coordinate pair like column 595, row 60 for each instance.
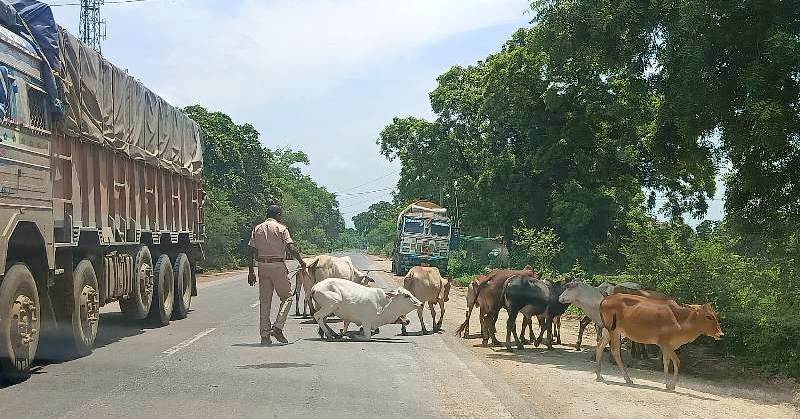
column 487, row 296
column 665, row 323
column 472, row 301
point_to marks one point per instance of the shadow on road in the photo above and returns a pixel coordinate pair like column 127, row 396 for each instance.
column 274, row 365
column 373, row 340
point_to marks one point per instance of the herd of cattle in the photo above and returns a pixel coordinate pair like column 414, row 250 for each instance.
column 335, row 286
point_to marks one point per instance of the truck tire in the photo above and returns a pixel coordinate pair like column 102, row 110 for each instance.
column 163, row 292
column 19, row 323
column 137, row 305
column 183, row 286
column 86, row 308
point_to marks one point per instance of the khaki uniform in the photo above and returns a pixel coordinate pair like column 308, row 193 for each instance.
column 270, row 239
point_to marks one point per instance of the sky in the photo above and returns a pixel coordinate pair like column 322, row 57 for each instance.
column 321, row 76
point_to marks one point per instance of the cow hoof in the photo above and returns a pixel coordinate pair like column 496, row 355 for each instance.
column 520, row 347
column 629, row 381
column 376, row 331
column 320, row 332
column 671, row 387
column 599, row 379
column 509, row 348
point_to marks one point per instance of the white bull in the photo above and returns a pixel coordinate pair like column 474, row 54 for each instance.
column 355, row 303
column 322, row 267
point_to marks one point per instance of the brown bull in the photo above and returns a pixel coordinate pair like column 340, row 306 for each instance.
column 661, row 322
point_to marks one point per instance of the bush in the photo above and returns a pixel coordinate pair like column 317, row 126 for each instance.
column 464, row 280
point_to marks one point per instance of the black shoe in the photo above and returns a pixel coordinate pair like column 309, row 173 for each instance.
column 278, row 333
column 266, row 341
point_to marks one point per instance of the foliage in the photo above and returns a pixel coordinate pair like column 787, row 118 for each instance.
column 242, row 177
column 541, row 246
column 582, row 127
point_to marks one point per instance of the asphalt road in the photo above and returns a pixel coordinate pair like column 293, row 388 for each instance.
column 212, row 365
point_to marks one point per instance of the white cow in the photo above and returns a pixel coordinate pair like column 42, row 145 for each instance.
column 355, row 303
column 321, row 267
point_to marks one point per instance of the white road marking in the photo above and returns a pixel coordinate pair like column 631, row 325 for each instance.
column 188, row 342
column 254, row 305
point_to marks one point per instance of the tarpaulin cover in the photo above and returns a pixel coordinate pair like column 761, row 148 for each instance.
column 142, row 146
column 91, row 115
column 38, row 19
column 70, row 47
column 166, row 135
column 194, row 150
column 104, row 104
column 150, row 134
column 121, row 91
column 107, row 100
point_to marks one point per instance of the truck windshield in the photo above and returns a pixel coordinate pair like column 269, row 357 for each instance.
column 414, row 226
column 440, row 229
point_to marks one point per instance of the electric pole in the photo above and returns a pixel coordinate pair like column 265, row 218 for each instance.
column 92, row 28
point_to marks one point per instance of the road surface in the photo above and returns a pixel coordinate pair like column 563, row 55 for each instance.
column 212, row 365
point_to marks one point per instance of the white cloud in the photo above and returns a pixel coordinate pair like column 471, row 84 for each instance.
column 278, row 47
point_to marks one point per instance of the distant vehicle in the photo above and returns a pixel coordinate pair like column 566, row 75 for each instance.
column 423, row 237
column 100, row 193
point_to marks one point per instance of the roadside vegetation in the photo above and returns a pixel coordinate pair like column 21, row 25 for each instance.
column 590, row 145
column 241, row 178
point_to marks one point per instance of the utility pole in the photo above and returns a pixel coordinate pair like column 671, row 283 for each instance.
column 92, row 28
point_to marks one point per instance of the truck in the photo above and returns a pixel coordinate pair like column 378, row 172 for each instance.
column 423, row 237
column 101, row 198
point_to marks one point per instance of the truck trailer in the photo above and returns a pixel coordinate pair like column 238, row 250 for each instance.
column 101, row 197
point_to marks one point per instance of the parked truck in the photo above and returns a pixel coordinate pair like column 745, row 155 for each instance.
column 100, row 193
column 423, row 237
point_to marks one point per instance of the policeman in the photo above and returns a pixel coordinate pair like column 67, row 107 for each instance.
column 269, row 244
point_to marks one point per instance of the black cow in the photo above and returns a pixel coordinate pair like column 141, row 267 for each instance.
column 542, row 296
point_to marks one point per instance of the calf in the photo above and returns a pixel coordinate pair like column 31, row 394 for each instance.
column 520, row 291
column 356, row 303
column 472, row 301
column 427, row 284
column 322, row 267
column 655, row 321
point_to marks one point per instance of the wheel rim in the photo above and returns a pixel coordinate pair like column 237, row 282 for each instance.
column 89, row 312
column 145, row 278
column 24, row 329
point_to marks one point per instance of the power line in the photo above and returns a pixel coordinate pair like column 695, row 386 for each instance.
column 372, row 181
column 107, row 2
column 354, row 194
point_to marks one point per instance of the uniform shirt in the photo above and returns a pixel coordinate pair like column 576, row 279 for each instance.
column 270, row 239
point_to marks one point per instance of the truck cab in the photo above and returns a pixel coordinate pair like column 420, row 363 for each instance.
column 423, row 237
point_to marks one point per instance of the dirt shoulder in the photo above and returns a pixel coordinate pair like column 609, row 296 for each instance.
column 561, row 383
column 216, row 276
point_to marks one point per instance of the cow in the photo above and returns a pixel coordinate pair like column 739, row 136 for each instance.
column 520, row 291
column 356, row 303
column 427, row 284
column 665, row 323
column 588, row 298
column 472, row 301
column 488, row 297
column 321, row 267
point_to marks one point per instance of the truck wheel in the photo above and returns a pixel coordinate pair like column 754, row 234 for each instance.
column 86, row 309
column 164, row 291
column 19, row 323
column 183, row 286
column 137, row 305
